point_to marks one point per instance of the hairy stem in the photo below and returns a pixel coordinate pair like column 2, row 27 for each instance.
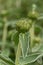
column 18, row 54
column 4, row 33
column 31, row 36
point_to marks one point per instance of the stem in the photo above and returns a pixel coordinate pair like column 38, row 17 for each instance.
column 18, row 54
column 31, row 36
column 4, row 33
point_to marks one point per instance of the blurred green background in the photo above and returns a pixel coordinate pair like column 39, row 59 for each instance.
column 14, row 10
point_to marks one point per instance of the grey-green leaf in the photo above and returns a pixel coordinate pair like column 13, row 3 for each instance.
column 6, row 60
column 30, row 58
column 24, row 41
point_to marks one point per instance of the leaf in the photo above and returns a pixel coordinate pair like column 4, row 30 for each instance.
column 6, row 60
column 41, row 17
column 11, row 23
column 30, row 58
column 37, row 30
column 16, row 37
column 36, row 47
column 40, row 60
column 24, row 41
column 5, row 52
column 1, row 25
column 3, row 63
column 41, row 48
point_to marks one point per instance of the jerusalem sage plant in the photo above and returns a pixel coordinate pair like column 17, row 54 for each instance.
column 30, row 43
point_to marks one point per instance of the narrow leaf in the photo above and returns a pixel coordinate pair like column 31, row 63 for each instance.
column 24, row 41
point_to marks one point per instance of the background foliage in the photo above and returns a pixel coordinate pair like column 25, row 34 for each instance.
column 10, row 12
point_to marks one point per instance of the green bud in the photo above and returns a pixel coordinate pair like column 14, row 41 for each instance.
column 33, row 15
column 23, row 25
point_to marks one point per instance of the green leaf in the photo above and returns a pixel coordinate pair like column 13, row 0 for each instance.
column 41, row 48
column 16, row 37
column 5, row 52
column 40, row 61
column 11, row 23
column 36, row 47
column 30, row 58
column 37, row 30
column 1, row 25
column 3, row 63
column 6, row 60
column 24, row 41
